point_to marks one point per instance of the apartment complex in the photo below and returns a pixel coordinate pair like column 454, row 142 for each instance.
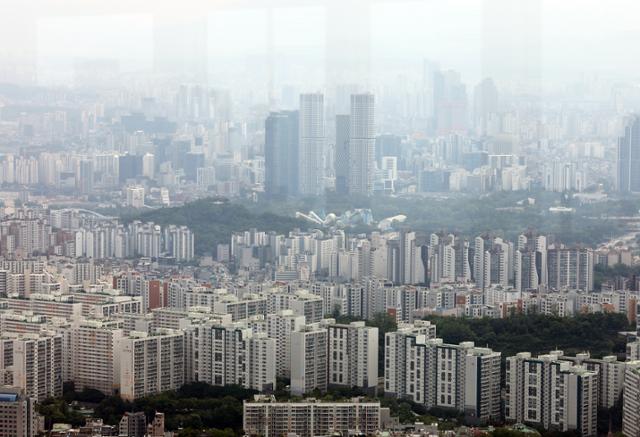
column 551, row 393
column 265, row 417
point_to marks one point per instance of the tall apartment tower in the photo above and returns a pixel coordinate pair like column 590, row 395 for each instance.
column 151, row 364
column 427, row 371
column 94, row 355
column 361, row 144
column 342, row 153
column 629, row 157
column 33, row 363
column 279, row 327
column 309, row 366
column 281, row 154
column 631, row 400
column 551, row 393
column 353, row 356
column 312, row 144
column 232, row 354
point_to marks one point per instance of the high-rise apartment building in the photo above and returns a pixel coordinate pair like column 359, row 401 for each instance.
column 232, row 354
column 570, row 269
column 425, row 370
column 280, row 325
column 631, row 400
column 361, row 144
column 151, row 364
column 309, row 359
column 610, row 375
column 628, row 161
column 341, row 159
column 94, row 355
column 33, row 362
column 353, row 355
column 312, row 145
column 551, row 393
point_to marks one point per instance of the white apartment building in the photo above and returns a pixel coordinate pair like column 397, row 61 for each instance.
column 631, row 400
column 265, row 417
column 400, row 345
column 554, row 394
column 425, row 370
column 232, row 354
column 309, row 359
column 353, row 355
column 610, row 375
column 151, row 364
column 279, row 327
column 33, row 363
column 93, row 356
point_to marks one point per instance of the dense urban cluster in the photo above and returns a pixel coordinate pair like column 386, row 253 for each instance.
column 218, row 247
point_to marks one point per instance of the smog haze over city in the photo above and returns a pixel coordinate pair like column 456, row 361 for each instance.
column 307, row 218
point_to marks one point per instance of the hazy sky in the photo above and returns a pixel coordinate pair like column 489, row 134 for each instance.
column 557, row 39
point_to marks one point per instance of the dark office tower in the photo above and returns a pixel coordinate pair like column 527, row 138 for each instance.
column 388, row 145
column 449, row 103
column 84, row 176
column 281, row 154
column 129, row 167
column 161, row 150
column 362, row 144
column 192, row 162
column 485, row 104
column 342, row 154
column 629, row 157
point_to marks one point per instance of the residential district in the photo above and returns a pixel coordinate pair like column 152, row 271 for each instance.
column 122, row 309
column 104, row 293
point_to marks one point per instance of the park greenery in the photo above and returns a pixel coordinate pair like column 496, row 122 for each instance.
column 194, row 407
column 597, row 333
column 505, row 214
column 213, row 221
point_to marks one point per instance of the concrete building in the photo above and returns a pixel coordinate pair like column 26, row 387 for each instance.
column 309, row 359
column 610, row 375
column 631, row 400
column 425, row 370
column 551, row 393
column 93, row 356
column 361, row 144
column 133, row 424
column 353, row 355
column 265, row 417
column 279, row 327
column 33, row 363
column 151, row 364
column 135, row 196
column 312, row 144
column 628, row 160
column 18, row 417
column 232, row 354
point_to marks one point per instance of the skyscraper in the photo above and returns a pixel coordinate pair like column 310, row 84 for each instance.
column 342, row 154
column 485, row 104
column 361, row 144
column 449, row 102
column 281, row 154
column 312, row 139
column 629, row 157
